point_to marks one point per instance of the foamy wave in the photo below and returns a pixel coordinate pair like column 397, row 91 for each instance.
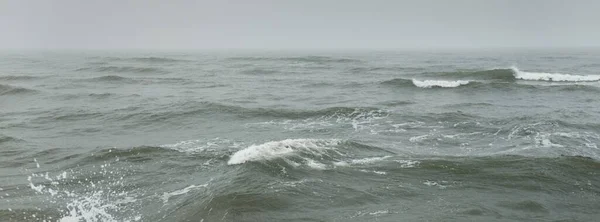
column 554, row 77
column 276, row 149
column 166, row 196
column 439, row 83
column 97, row 201
column 199, row 145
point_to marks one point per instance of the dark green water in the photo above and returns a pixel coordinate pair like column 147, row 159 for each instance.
column 300, row 136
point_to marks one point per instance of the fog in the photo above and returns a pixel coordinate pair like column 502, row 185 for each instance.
column 312, row 24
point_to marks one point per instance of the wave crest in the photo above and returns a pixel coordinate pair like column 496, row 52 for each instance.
column 553, row 77
column 276, row 149
column 439, row 83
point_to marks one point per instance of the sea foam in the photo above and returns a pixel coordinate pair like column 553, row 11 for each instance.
column 276, row 149
column 439, row 83
column 554, row 77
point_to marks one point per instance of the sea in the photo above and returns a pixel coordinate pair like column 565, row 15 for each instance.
column 300, row 135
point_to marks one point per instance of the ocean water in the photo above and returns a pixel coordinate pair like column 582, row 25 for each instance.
column 497, row 135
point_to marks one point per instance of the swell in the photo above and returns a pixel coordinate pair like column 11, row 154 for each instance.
column 112, row 79
column 147, row 59
column 512, row 74
column 500, row 78
column 13, row 90
column 193, row 108
column 9, row 139
column 304, row 59
column 120, row 69
column 253, row 189
column 493, row 74
column 17, row 78
column 206, row 110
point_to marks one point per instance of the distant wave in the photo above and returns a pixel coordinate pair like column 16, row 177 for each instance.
column 11, row 78
column 259, row 71
column 157, row 60
column 8, row 139
column 305, row 59
column 112, row 78
column 360, row 70
column 118, row 69
column 146, row 59
column 427, row 83
column 491, row 74
column 513, row 74
column 193, row 109
column 439, row 83
column 12, row 90
column 346, row 112
column 553, row 77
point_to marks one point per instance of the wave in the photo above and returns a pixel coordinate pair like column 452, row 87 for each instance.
column 360, row 70
column 439, row 83
column 145, row 59
column 491, row 74
column 346, row 112
column 157, row 60
column 259, row 71
column 12, row 90
column 8, row 139
column 317, row 154
column 553, row 77
column 305, row 59
column 15, row 78
column 427, row 83
column 118, row 69
column 496, row 77
column 281, row 149
column 112, row 78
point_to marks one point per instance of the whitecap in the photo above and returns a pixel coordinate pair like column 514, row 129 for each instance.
column 276, row 149
column 553, row 77
column 439, row 83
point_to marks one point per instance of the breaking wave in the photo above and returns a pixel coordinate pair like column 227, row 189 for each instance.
column 427, row 83
column 280, row 149
column 439, row 83
column 493, row 76
column 553, row 77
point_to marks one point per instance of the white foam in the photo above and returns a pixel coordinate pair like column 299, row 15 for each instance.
column 315, row 164
column 408, row 163
column 199, row 145
column 369, row 160
column 166, row 196
column 554, row 77
column 96, row 202
column 439, row 83
column 275, row 149
column 435, row 184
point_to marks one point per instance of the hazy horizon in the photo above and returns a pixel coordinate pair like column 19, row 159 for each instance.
column 298, row 25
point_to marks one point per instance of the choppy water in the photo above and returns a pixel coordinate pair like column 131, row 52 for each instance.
column 300, row 136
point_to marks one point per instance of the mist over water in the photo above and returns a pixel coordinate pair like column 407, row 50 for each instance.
column 299, row 136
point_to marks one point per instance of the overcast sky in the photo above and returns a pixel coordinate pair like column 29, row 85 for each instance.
column 189, row 24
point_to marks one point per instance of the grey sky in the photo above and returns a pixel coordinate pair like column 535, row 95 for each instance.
column 298, row 24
